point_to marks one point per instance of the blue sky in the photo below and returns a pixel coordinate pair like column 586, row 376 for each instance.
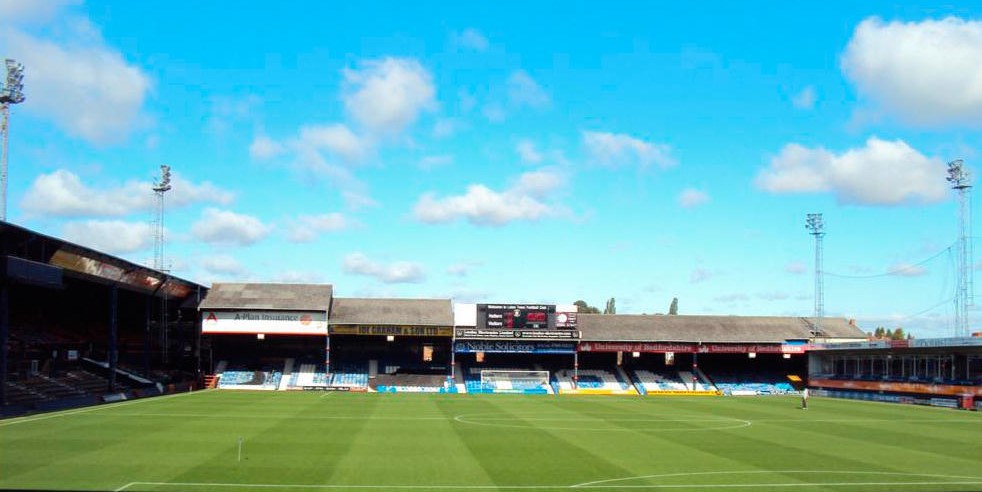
column 507, row 152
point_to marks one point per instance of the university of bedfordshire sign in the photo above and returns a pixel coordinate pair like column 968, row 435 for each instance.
column 266, row 322
column 689, row 348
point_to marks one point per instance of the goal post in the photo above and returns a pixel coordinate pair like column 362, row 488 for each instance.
column 514, row 379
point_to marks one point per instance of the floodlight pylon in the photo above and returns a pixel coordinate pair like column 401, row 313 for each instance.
column 11, row 92
column 960, row 181
column 159, row 188
column 816, row 227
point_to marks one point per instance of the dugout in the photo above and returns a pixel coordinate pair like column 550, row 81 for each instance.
column 399, row 338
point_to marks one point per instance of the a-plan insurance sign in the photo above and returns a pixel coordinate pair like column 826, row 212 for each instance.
column 271, row 322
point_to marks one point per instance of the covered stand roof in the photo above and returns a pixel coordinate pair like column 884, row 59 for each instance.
column 719, row 329
column 409, row 312
column 41, row 259
column 286, row 297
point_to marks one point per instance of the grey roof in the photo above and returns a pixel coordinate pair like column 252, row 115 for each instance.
column 745, row 329
column 287, row 297
column 411, row 312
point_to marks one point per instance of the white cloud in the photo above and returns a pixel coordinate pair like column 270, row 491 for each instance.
column 795, row 268
column 357, row 200
column 110, row 236
column 433, row 161
column 523, row 90
column 27, row 11
column 881, row 173
column 527, row 151
column 690, row 198
column 805, row 99
column 306, row 227
column 263, row 148
column 538, row 183
column 612, row 149
column 227, row 112
column 63, row 194
column 484, row 206
column 323, row 151
column 297, row 277
column 926, row 72
column 471, row 38
column 732, row 298
column 462, row 269
column 223, row 265
column 87, row 88
column 445, row 127
column 774, row 296
column 494, row 112
column 184, row 193
column 388, row 95
column 907, row 270
column 700, row 275
column 337, row 139
column 224, row 227
column 394, row 273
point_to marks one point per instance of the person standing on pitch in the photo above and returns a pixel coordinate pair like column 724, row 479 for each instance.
column 804, row 399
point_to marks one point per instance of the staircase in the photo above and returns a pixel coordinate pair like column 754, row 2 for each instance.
column 211, row 381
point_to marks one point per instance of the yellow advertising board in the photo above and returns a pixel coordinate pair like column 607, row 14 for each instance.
column 395, row 330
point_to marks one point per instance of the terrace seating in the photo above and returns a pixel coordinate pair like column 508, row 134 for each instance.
column 250, row 380
column 752, row 384
column 349, row 379
column 655, row 382
column 591, row 379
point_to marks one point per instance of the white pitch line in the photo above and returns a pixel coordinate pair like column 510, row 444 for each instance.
column 103, row 406
column 541, row 487
column 600, row 483
column 226, row 416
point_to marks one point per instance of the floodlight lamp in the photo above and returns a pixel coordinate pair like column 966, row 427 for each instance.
column 815, row 224
column 12, row 91
column 164, row 183
column 957, row 175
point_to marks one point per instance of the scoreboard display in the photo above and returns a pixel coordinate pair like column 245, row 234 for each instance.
column 516, row 316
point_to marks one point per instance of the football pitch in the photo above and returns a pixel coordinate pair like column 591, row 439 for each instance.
column 332, row 442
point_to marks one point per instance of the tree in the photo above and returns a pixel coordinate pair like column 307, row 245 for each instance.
column 611, row 308
column 583, row 307
column 898, row 334
column 673, row 310
column 880, row 331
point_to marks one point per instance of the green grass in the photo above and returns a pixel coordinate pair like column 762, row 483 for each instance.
column 310, row 441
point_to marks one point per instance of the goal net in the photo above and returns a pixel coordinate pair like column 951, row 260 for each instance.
column 511, row 379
